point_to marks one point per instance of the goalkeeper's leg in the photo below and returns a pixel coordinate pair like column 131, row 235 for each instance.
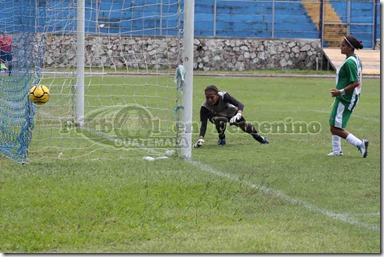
column 221, row 125
column 9, row 60
column 250, row 129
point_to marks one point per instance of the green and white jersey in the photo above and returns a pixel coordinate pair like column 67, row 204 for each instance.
column 350, row 71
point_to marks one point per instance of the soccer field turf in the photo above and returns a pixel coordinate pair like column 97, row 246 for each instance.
column 285, row 197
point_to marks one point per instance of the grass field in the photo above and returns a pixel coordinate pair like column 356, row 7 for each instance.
column 285, row 197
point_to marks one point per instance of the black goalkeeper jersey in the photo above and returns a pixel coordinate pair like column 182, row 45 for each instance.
column 227, row 106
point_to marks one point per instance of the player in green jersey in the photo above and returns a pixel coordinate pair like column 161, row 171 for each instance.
column 347, row 94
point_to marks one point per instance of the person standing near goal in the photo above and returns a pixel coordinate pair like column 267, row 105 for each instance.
column 6, row 51
column 220, row 108
column 347, row 94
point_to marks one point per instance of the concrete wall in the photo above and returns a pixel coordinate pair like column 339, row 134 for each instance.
column 210, row 53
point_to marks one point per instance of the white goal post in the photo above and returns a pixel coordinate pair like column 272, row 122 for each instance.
column 80, row 56
column 110, row 68
column 189, row 10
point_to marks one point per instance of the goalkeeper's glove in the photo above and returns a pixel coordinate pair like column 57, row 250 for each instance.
column 199, row 143
column 235, row 118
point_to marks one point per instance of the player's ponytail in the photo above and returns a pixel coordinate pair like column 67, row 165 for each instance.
column 352, row 41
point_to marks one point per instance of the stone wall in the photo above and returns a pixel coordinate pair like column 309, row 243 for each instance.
column 210, row 53
column 255, row 54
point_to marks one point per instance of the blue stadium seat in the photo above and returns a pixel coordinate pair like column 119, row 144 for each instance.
column 362, row 20
column 254, row 19
column 245, row 34
column 292, row 21
column 234, row 18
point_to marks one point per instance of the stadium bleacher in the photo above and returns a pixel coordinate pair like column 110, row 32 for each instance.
column 255, row 19
column 229, row 18
column 361, row 21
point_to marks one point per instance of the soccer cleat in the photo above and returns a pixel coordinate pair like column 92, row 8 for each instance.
column 260, row 139
column 363, row 148
column 336, row 153
column 265, row 141
column 221, row 142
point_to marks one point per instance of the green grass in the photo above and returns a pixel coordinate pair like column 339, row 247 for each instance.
column 286, row 197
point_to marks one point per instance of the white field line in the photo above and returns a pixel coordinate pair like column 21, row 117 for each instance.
column 345, row 217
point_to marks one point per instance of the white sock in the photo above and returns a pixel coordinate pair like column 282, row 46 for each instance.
column 353, row 140
column 336, row 144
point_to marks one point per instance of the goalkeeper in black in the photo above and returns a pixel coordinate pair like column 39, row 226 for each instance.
column 221, row 108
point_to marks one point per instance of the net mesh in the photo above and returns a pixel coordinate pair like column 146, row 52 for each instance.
column 132, row 49
column 16, row 76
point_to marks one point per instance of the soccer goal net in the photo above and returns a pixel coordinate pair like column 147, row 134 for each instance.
column 17, row 65
column 110, row 66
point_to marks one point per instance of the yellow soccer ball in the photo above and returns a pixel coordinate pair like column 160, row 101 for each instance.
column 39, row 94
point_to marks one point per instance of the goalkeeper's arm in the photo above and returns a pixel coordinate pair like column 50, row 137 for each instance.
column 230, row 99
column 204, row 114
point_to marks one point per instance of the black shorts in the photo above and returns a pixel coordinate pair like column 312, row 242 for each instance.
column 5, row 56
